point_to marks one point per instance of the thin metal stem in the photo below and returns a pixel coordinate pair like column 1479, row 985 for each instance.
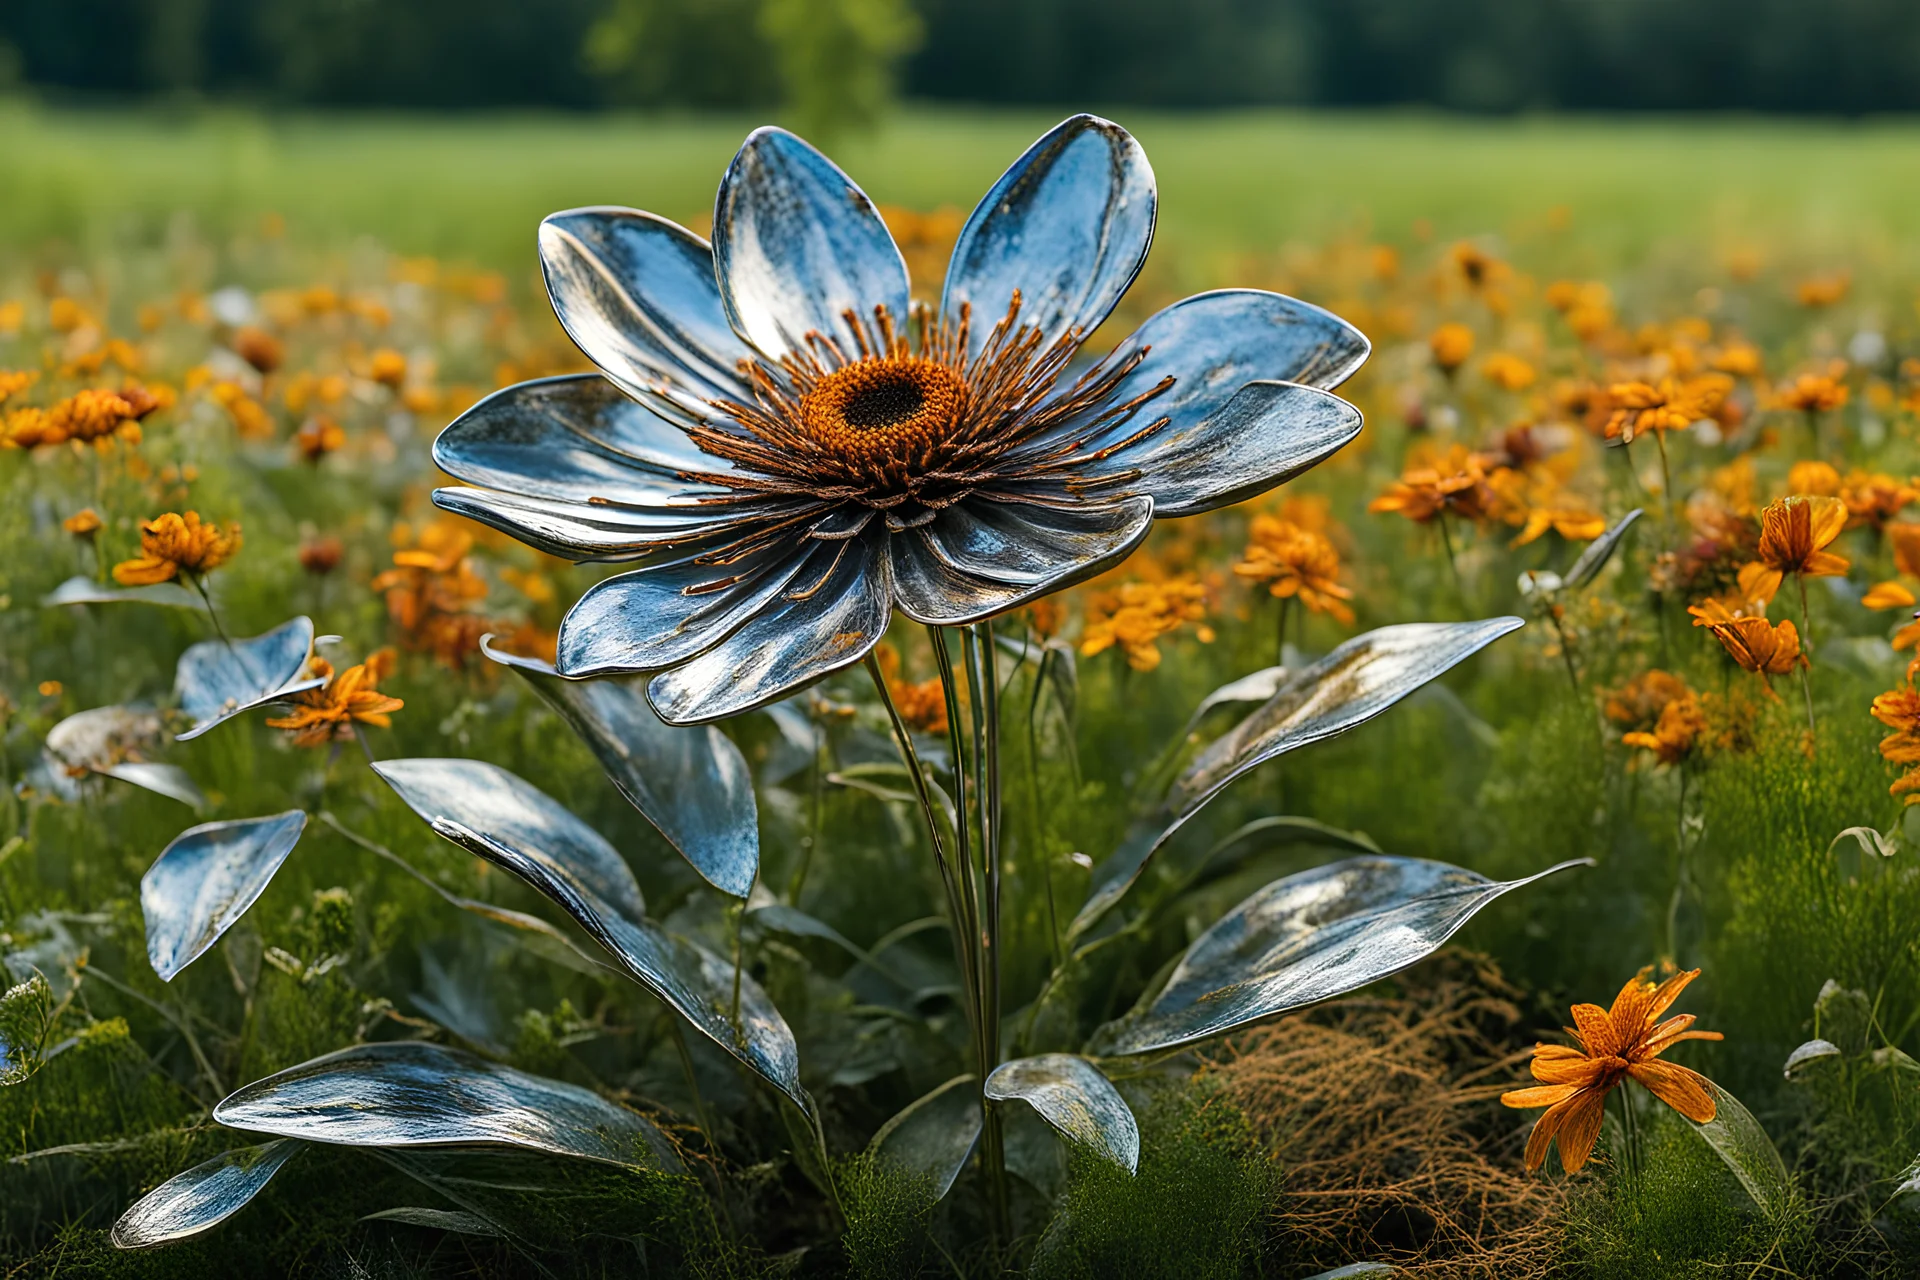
column 983, row 687
column 219, row 630
column 1033, row 787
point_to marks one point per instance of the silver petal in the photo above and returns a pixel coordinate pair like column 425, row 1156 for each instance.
column 1348, row 687
column 1011, row 553
column 216, row 681
column 80, row 590
column 637, row 294
column 1266, row 434
column 679, row 971
column 94, row 739
column 793, row 641
column 206, row 879
column 1599, row 551
column 580, row 531
column 796, row 245
column 1307, row 938
column 934, row 1136
column 1068, row 225
column 653, row 618
column 507, row 808
column 407, row 1094
column 1071, row 1095
column 1811, row 1051
column 168, row 780
column 1214, row 343
column 1740, row 1141
column 203, row 1197
column 575, row 437
column 692, row 784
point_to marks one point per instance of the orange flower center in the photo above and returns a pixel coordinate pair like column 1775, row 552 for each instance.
column 882, row 408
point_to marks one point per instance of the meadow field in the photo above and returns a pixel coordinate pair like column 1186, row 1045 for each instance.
column 1649, row 386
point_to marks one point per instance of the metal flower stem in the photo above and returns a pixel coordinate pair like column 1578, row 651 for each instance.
column 1033, row 788
column 983, row 687
column 219, row 630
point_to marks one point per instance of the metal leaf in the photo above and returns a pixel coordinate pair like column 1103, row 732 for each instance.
column 215, row 681
column 81, row 590
column 692, row 784
column 510, row 810
column 1737, row 1138
column 1354, row 1270
column 1071, row 1095
column 1258, row 687
column 203, row 1197
column 1068, row 226
column 1353, row 684
column 1598, row 552
column 796, row 245
column 944, row 581
column 1306, row 938
column 1811, row 1051
column 408, row 1093
column 112, row 742
column 168, row 780
column 204, row 881
column 685, row 975
column 459, row 1220
column 934, row 1136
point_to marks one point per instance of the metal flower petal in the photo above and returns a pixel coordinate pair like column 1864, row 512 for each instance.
column 206, row 879
column 1067, row 227
column 1307, row 938
column 215, row 681
column 637, row 293
column 203, row 1197
column 406, row 1094
column 934, row 1136
column 797, row 245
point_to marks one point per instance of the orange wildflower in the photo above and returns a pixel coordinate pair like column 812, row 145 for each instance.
column 922, row 704
column 14, row 382
column 1822, row 290
column 1811, row 393
column 173, row 544
column 259, row 348
column 1672, row 404
column 1456, row 483
column 1766, row 648
column 1046, row 616
column 1899, row 710
column 1613, row 1045
column 319, row 437
column 388, row 368
column 1139, row 613
column 1873, row 498
column 1675, row 733
column 1451, row 344
column 329, row 712
column 1741, row 359
column 1794, row 535
column 1813, row 480
column 431, row 591
column 1638, row 703
column 1537, row 505
column 1508, row 371
column 321, row 556
column 1295, row 562
column 83, row 523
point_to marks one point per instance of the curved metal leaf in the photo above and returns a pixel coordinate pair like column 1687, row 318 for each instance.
column 168, row 780
column 1737, row 1138
column 1071, row 1095
column 204, row 881
column 510, row 810
column 1598, row 552
column 1307, row 938
column 685, row 975
column 935, row 1135
column 203, row 1197
column 1811, row 1051
column 471, row 1224
column 215, row 681
column 1258, row 687
column 112, row 742
column 1354, row 1270
column 1348, row 687
column 80, row 590
column 408, row 1093
column 692, row 784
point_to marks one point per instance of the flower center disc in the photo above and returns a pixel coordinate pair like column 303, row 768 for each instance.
column 883, row 408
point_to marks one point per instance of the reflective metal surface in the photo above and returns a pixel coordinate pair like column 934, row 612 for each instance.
column 409, row 1093
column 796, row 245
column 204, row 881
column 1348, row 687
column 1599, row 551
column 511, row 810
column 692, row 784
column 215, row 681
column 684, row 974
column 203, row 1197
column 1071, row 1095
column 110, row 742
column 1811, row 1051
column 1307, row 938
column 934, row 1136
column 1068, row 225
column 637, row 294
column 82, row 590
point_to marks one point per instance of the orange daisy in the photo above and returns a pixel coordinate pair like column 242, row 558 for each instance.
column 1613, row 1045
column 1794, row 535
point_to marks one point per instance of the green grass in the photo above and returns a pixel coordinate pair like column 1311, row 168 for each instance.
column 474, row 186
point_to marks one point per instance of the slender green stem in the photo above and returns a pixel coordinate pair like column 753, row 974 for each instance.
column 1806, row 651
column 1566, row 649
column 1280, row 637
column 1453, row 566
column 1679, row 869
column 200, row 586
column 739, row 931
column 812, row 840
column 1666, row 483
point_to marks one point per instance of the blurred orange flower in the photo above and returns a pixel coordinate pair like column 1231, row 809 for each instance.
column 320, row 715
column 1295, row 562
column 1455, row 482
column 173, row 544
column 1137, row 614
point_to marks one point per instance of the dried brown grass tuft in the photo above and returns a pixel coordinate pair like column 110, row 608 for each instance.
column 1383, row 1113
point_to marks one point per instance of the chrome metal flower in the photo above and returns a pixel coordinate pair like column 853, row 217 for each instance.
column 787, row 448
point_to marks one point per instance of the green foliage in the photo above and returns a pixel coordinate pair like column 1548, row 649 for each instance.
column 888, row 1216
column 1196, row 1150
column 837, row 58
